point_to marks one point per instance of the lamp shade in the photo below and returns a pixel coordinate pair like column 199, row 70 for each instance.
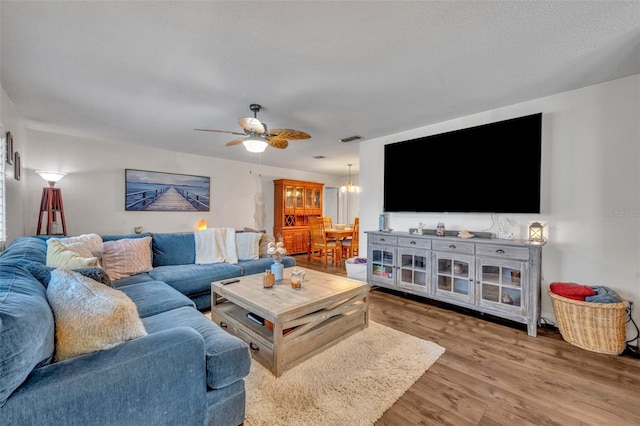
column 255, row 145
column 51, row 177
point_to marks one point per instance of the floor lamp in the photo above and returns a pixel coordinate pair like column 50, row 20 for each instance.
column 51, row 204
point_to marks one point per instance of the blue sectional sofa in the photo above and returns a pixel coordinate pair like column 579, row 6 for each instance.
column 185, row 371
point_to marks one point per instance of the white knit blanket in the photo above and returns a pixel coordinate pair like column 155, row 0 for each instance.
column 216, row 245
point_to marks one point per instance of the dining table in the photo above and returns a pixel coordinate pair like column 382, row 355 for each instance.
column 338, row 235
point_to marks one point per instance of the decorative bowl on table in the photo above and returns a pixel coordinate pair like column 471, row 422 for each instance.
column 340, row 226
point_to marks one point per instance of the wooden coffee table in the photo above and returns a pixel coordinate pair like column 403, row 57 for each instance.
column 326, row 310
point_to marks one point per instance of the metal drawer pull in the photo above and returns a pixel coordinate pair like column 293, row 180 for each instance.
column 500, row 251
column 223, row 324
column 254, row 347
column 452, row 246
column 382, row 239
column 413, row 242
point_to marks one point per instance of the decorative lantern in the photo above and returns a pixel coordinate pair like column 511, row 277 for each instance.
column 535, row 232
column 202, row 224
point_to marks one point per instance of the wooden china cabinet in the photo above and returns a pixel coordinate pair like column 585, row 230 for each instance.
column 294, row 203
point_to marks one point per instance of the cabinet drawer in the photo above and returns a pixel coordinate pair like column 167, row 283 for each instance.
column 261, row 352
column 454, row 246
column 414, row 242
column 505, row 252
column 383, row 239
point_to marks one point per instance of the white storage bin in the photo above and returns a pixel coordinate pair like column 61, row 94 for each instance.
column 356, row 271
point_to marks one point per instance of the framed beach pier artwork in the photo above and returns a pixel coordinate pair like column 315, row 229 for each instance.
column 169, row 192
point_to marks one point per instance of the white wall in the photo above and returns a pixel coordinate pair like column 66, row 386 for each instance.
column 93, row 190
column 13, row 123
column 590, row 186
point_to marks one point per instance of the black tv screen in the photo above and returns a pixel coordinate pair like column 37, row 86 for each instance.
column 491, row 168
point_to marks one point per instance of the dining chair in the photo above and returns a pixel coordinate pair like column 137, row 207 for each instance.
column 351, row 246
column 328, row 224
column 321, row 248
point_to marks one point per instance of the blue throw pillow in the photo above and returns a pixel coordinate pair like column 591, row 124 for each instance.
column 43, row 273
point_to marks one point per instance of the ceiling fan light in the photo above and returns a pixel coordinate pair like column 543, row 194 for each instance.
column 255, row 145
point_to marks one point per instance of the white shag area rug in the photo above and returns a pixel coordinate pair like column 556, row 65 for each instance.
column 351, row 383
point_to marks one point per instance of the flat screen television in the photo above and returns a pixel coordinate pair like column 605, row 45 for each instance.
column 491, row 168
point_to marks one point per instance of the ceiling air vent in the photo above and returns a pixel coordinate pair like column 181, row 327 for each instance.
column 318, row 157
column 351, row 139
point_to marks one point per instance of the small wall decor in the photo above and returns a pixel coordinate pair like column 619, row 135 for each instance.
column 158, row 191
column 17, row 166
column 10, row 154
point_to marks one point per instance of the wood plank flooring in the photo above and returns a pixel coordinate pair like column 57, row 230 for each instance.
column 495, row 374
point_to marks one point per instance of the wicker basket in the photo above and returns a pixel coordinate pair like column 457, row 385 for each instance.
column 596, row 327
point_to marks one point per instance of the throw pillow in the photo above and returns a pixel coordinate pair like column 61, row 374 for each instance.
column 59, row 256
column 86, row 245
column 264, row 244
column 89, row 316
column 43, row 273
column 126, row 257
column 248, row 245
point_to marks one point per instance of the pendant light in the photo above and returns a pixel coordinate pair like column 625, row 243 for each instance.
column 349, row 187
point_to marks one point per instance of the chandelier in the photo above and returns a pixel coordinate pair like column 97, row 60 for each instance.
column 349, row 187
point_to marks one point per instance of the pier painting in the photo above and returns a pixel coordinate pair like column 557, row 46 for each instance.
column 158, row 191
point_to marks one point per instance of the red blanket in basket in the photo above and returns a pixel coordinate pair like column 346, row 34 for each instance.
column 572, row 290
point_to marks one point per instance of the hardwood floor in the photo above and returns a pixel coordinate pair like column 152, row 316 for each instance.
column 495, row 374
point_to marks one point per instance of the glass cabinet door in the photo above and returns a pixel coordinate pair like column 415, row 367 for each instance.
column 299, row 194
column 414, row 270
column 381, row 266
column 453, row 276
column 308, row 198
column 317, row 198
column 289, row 197
column 501, row 283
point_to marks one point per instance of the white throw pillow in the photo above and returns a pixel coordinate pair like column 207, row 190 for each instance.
column 126, row 257
column 59, row 256
column 86, row 245
column 248, row 245
column 89, row 316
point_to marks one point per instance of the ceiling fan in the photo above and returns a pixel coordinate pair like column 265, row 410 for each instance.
column 257, row 136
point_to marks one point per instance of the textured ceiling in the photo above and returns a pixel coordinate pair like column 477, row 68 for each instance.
column 150, row 72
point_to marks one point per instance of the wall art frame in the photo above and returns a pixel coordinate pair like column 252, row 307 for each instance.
column 147, row 190
column 10, row 154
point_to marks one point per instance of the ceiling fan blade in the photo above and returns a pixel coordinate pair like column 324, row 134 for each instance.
column 252, row 125
column 235, row 142
column 276, row 142
column 220, row 131
column 289, row 134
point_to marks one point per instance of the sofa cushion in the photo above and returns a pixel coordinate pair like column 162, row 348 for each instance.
column 153, row 297
column 59, row 256
column 126, row 257
column 133, row 279
column 43, row 273
column 89, row 316
column 228, row 357
column 194, row 279
column 248, row 245
column 31, row 249
column 26, row 327
column 177, row 248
